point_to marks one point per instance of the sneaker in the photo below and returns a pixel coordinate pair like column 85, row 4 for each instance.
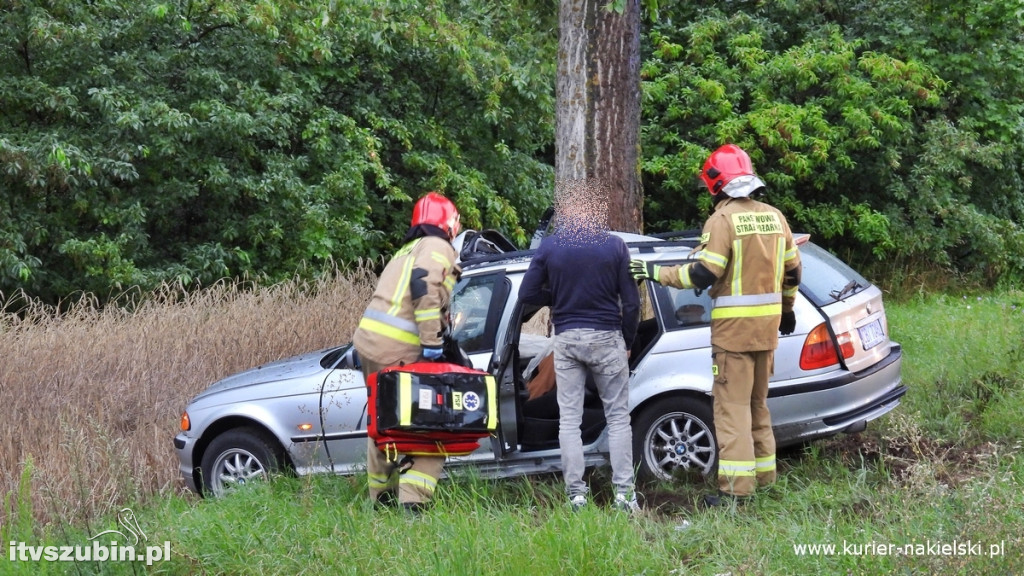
column 627, row 504
column 577, row 502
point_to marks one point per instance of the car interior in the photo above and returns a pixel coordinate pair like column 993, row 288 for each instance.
column 538, row 415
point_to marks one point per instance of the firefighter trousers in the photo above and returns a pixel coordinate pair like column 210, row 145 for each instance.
column 743, row 425
column 413, row 478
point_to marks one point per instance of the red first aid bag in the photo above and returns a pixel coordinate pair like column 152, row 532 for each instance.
column 434, row 408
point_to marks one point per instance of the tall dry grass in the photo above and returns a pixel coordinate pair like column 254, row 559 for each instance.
column 94, row 395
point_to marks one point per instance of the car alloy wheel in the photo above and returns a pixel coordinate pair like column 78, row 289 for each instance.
column 674, row 435
column 236, row 458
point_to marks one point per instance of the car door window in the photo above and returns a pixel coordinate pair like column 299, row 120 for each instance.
column 476, row 309
column 686, row 308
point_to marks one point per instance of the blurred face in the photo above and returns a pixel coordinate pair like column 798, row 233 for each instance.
column 582, row 204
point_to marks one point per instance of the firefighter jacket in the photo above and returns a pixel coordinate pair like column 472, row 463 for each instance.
column 748, row 247
column 409, row 308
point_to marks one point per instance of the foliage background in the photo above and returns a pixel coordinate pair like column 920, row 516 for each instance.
column 191, row 140
column 186, row 141
column 891, row 130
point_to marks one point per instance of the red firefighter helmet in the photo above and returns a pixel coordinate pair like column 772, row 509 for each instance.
column 729, row 170
column 438, row 211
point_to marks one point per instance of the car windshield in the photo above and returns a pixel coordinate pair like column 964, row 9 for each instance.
column 826, row 279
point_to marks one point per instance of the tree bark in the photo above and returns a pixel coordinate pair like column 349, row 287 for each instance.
column 597, row 125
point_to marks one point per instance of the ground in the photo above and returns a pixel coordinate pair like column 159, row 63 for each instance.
column 904, row 458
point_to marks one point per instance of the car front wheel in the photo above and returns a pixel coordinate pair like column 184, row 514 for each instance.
column 238, row 457
column 674, row 435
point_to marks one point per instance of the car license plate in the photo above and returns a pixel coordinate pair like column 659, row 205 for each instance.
column 871, row 335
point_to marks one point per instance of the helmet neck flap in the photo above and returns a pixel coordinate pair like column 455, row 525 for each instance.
column 728, row 171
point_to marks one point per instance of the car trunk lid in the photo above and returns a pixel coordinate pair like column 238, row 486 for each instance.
column 860, row 328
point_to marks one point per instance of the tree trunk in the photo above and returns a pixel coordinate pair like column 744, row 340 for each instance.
column 597, row 126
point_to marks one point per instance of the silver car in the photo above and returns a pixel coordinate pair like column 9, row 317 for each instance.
column 307, row 414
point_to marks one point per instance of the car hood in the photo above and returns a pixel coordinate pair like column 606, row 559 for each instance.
column 293, row 368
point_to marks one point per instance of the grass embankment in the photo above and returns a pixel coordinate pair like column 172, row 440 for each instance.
column 94, row 399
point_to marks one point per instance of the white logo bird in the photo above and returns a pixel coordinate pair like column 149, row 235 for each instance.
column 127, row 519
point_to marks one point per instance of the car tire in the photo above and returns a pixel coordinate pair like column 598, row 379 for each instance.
column 237, row 457
column 673, row 436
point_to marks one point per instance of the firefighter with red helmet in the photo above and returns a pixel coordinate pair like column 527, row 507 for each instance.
column 749, row 260
column 404, row 323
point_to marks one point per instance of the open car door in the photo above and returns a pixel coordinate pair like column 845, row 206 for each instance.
column 478, row 301
column 502, row 365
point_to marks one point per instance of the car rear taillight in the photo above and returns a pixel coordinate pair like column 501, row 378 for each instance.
column 845, row 344
column 820, row 352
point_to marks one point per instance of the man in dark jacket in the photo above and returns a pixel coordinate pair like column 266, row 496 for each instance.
column 582, row 272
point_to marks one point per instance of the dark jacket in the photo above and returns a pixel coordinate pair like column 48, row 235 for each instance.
column 584, row 277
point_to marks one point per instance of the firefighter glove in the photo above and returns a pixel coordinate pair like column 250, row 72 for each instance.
column 788, row 323
column 432, row 353
column 644, row 270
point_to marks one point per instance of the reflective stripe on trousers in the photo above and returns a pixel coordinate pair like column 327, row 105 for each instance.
column 416, row 483
column 746, row 443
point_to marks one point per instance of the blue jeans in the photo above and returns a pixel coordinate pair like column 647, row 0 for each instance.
column 602, row 354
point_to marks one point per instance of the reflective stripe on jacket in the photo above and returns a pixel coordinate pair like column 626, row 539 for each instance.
column 409, row 307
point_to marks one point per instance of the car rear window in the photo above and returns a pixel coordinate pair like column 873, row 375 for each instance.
column 825, row 278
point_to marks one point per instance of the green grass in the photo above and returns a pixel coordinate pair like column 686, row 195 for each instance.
column 943, row 469
column 964, row 356
column 327, row 525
